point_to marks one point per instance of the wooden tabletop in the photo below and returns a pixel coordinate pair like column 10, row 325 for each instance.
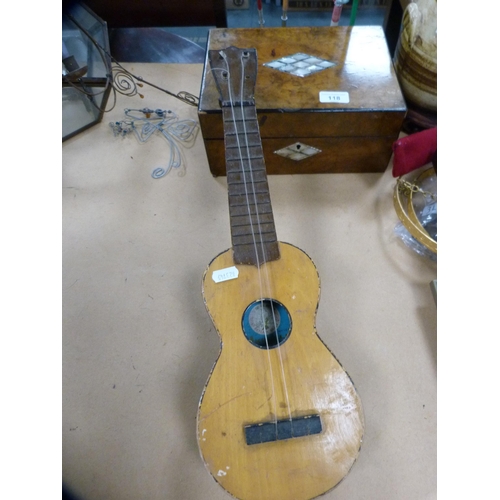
column 138, row 344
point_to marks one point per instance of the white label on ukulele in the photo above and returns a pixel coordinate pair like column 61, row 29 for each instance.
column 230, row 273
column 334, row 97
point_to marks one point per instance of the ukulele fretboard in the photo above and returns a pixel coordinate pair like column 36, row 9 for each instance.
column 253, row 232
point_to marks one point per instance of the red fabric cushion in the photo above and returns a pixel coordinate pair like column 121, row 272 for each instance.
column 414, row 151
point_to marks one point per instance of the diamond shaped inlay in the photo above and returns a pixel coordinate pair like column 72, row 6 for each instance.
column 298, row 151
column 300, row 64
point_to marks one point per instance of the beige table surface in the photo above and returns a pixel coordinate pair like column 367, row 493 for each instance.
column 138, row 344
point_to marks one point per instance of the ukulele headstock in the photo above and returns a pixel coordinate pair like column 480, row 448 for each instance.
column 235, row 73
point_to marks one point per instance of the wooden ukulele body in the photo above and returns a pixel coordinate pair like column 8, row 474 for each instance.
column 247, row 387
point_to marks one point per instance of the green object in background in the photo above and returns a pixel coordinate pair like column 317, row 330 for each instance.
column 354, row 11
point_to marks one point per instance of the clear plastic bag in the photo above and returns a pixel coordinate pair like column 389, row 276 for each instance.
column 425, row 205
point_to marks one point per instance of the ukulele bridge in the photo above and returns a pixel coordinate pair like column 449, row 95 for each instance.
column 266, row 432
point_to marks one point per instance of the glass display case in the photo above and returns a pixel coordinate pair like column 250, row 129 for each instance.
column 86, row 69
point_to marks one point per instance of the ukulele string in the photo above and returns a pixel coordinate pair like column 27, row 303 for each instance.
column 247, row 197
column 266, row 270
column 261, row 243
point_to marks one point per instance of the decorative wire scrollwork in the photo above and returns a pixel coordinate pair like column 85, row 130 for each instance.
column 188, row 98
column 143, row 123
column 123, row 82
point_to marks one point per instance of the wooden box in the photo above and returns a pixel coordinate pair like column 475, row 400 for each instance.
column 353, row 136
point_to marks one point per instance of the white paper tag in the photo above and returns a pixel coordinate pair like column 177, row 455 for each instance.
column 334, row 97
column 230, row 273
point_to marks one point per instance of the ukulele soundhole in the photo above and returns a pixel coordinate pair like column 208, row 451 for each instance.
column 266, row 323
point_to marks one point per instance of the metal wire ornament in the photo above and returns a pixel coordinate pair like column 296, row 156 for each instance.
column 124, row 83
column 145, row 122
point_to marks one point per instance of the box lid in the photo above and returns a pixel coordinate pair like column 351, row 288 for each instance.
column 362, row 68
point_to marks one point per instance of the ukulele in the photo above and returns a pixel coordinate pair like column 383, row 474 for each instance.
column 279, row 418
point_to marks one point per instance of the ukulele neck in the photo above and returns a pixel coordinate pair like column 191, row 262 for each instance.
column 253, row 233
column 252, row 224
